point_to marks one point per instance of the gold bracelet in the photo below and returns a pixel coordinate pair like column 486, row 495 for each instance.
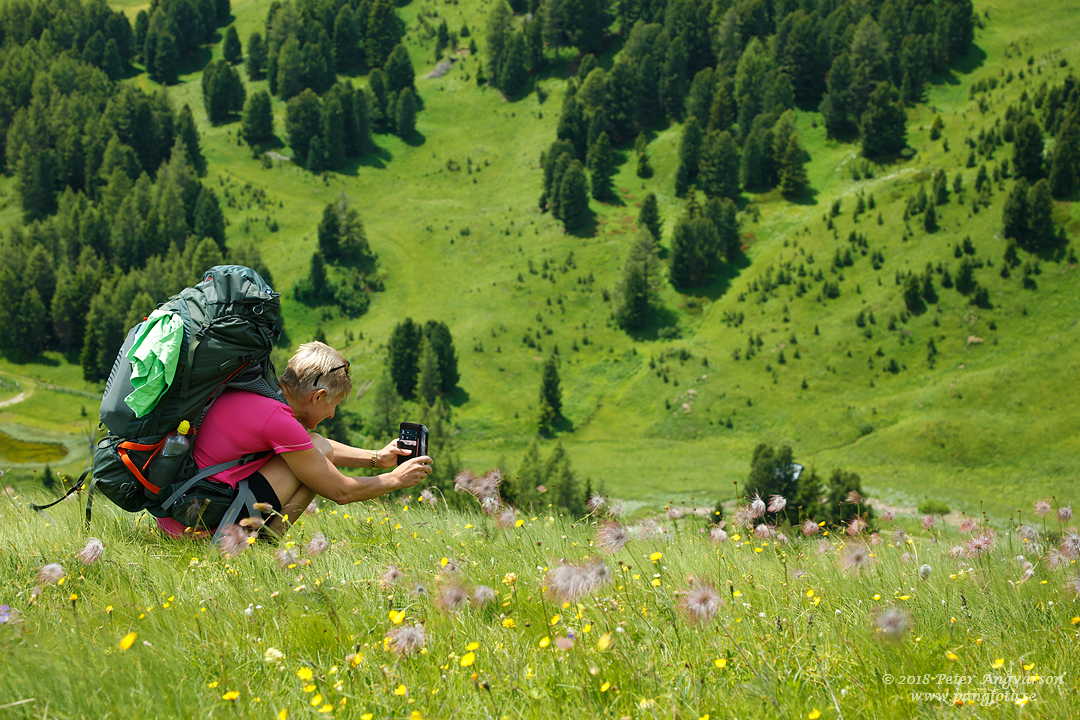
column 374, row 459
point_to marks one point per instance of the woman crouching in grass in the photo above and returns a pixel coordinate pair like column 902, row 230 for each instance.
column 300, row 463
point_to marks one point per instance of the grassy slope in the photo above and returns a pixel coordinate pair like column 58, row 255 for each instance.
column 989, row 430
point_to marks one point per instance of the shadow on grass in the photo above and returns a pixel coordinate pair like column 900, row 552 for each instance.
column 723, row 280
column 377, row 159
column 806, row 197
column 562, row 425
column 587, row 229
column 659, row 317
column 972, row 61
column 458, row 397
column 195, row 61
column 416, row 139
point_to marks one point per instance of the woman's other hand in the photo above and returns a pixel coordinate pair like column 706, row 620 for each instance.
column 387, row 457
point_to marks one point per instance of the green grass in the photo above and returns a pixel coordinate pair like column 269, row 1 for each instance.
column 794, row 634
column 989, row 423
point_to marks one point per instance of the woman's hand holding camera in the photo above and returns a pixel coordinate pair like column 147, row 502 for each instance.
column 412, row 471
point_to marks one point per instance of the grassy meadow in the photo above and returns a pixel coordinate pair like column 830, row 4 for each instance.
column 989, row 426
column 535, row 616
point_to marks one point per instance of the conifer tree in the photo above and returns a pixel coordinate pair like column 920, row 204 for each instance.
column 512, row 71
column 231, row 50
column 403, row 354
column 166, row 59
column 573, row 197
column 641, row 274
column 428, row 383
column 1065, row 163
column 689, row 151
column 256, row 56
column 318, row 155
column 329, row 233
column 303, row 121
column 1028, row 150
column 700, row 97
column 718, row 166
column 36, row 184
column 383, row 32
column 437, row 335
column 1040, row 209
column 187, row 132
column 649, row 216
column 1014, row 214
column 385, row 406
column 930, row 219
column 257, row 124
column 721, row 112
column 333, row 129
column 209, row 220
column 793, row 180
column 499, row 29
column 601, row 167
column 346, row 39
column 399, row 70
column 550, row 390
column 883, row 125
column 406, row 114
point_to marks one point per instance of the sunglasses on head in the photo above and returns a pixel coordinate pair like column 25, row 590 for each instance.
column 315, row 382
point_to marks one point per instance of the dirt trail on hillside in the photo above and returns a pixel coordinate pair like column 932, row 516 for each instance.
column 17, row 399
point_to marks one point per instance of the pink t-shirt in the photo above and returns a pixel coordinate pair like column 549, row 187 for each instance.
column 240, row 423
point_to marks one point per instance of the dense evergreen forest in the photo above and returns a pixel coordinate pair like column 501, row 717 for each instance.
column 108, row 176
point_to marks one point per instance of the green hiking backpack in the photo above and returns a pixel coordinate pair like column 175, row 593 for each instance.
column 229, row 331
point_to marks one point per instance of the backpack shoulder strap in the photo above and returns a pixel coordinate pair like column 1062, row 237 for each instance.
column 205, row 473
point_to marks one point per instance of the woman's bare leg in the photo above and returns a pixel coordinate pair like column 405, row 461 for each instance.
column 293, row 494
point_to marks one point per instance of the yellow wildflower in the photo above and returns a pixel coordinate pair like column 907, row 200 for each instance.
column 231, row 695
column 127, row 640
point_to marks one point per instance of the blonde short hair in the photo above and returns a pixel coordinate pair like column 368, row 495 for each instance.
column 316, row 366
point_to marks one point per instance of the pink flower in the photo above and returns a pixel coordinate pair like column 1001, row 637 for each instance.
column 888, row 515
column 1042, row 507
column 757, row 507
column 764, row 532
column 700, row 602
column 777, row 504
column 595, row 502
column 93, row 550
column 891, row 624
column 718, row 535
column 969, row 526
column 50, row 574
column 927, row 522
column 855, row 559
column 483, row 595
column 407, row 639
column 234, row 540
column 980, row 544
column 856, row 526
column 452, row 598
column 611, row 537
column 1065, row 514
column 317, row 545
column 809, row 527
column 853, row 498
column 506, row 518
column 570, row 583
column 392, row 575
